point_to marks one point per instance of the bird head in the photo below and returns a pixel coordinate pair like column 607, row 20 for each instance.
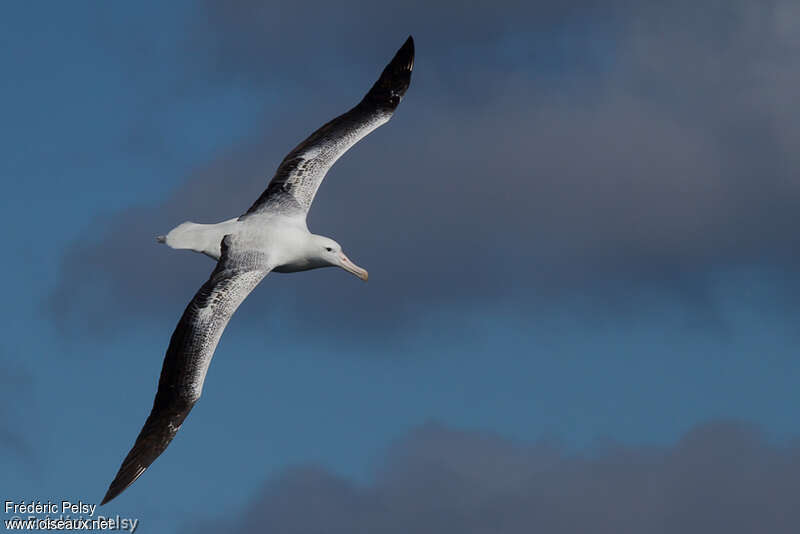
column 330, row 252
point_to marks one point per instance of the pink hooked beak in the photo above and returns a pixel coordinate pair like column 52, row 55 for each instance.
column 350, row 267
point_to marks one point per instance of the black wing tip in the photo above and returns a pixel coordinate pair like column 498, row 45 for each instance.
column 407, row 50
column 160, row 428
column 109, row 496
column 395, row 78
column 113, row 491
column 122, row 481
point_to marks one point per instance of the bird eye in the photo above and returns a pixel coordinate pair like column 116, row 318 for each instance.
column 329, row 249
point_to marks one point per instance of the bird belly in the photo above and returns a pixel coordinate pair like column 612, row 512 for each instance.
column 297, row 266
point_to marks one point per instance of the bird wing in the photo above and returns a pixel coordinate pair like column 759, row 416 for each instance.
column 299, row 175
column 189, row 354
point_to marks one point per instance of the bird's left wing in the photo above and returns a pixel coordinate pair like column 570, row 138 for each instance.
column 189, row 354
column 300, row 174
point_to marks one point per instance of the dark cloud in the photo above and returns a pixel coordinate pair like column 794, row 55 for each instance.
column 539, row 147
column 720, row 477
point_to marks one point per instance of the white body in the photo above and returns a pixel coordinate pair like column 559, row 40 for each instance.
column 286, row 239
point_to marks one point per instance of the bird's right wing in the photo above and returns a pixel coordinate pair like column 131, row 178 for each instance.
column 301, row 172
column 189, row 354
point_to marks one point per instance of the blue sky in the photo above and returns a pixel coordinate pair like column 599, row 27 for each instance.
column 580, row 228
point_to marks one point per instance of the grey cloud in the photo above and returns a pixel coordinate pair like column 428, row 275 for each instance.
column 720, row 477
column 241, row 38
column 669, row 154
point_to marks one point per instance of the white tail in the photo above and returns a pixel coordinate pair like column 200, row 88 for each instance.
column 203, row 238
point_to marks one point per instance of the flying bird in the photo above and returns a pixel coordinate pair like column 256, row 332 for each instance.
column 271, row 235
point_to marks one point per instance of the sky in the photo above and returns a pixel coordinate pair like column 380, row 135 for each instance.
column 581, row 232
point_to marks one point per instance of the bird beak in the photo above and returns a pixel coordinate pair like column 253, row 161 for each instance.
column 350, row 267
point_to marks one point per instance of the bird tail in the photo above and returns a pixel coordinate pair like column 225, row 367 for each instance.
column 203, row 238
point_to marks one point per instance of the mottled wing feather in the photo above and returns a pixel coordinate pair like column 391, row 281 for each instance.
column 189, row 355
column 300, row 174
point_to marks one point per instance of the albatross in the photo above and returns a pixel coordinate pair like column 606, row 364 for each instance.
column 271, row 235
